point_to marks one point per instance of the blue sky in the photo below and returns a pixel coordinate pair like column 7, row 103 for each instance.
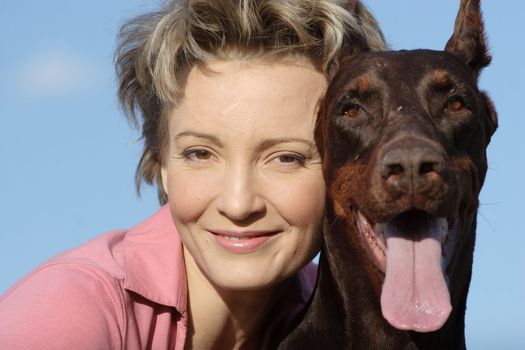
column 68, row 155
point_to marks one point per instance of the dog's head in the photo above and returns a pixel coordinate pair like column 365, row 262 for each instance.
column 403, row 137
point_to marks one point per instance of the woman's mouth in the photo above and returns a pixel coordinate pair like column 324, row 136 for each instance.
column 242, row 242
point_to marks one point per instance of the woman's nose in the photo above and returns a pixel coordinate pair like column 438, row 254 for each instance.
column 240, row 196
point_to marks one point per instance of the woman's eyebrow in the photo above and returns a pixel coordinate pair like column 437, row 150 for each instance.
column 211, row 138
column 268, row 143
column 276, row 141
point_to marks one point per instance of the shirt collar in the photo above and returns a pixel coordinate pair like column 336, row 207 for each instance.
column 154, row 262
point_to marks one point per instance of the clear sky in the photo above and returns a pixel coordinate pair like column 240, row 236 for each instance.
column 68, row 156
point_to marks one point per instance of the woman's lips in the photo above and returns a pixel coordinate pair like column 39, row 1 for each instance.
column 242, row 242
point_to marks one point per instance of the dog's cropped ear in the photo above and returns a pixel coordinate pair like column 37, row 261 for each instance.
column 468, row 41
column 353, row 6
column 354, row 41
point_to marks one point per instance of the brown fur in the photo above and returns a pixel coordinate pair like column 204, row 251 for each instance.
column 419, row 108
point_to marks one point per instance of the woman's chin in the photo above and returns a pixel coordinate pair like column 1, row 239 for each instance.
column 247, row 276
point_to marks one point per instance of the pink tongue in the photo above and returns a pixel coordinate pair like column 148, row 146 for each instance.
column 415, row 295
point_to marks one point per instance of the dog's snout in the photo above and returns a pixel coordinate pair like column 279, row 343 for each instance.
column 416, row 162
column 407, row 168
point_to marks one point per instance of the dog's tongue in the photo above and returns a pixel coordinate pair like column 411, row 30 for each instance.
column 415, row 295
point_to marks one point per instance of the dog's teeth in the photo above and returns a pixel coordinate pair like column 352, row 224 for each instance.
column 443, row 229
column 444, row 268
column 379, row 230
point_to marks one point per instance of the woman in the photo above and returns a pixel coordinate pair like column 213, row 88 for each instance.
column 226, row 93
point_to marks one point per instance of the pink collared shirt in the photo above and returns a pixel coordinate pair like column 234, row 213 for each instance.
column 122, row 290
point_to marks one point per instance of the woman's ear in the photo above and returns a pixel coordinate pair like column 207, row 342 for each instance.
column 164, row 178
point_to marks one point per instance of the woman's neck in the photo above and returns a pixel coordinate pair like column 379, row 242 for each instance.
column 220, row 319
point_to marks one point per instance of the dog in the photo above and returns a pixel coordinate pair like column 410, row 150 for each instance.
column 403, row 137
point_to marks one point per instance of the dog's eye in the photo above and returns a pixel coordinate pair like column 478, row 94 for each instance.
column 454, row 104
column 351, row 110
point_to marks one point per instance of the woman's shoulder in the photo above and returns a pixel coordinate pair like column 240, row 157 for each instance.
column 109, row 253
column 85, row 298
column 74, row 300
column 107, row 258
column 74, row 272
column 62, row 303
column 104, row 252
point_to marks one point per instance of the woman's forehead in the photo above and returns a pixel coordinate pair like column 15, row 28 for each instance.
column 253, row 80
column 251, row 97
column 228, row 85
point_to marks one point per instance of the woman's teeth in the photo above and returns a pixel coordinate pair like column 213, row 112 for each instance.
column 237, row 238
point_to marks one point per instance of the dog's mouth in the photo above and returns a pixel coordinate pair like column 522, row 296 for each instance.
column 412, row 250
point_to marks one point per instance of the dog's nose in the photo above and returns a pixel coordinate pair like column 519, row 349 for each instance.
column 407, row 168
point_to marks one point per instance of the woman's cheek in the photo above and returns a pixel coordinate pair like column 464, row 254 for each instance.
column 189, row 194
column 302, row 201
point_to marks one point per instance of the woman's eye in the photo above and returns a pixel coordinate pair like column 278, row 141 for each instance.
column 197, row 155
column 290, row 160
column 454, row 104
column 351, row 110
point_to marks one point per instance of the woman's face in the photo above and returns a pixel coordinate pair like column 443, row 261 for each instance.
column 242, row 172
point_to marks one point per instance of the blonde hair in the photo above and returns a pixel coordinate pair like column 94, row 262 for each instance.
column 156, row 49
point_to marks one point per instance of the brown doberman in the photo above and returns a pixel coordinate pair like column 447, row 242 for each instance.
column 403, row 136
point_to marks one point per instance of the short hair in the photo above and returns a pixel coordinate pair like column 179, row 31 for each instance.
column 155, row 50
